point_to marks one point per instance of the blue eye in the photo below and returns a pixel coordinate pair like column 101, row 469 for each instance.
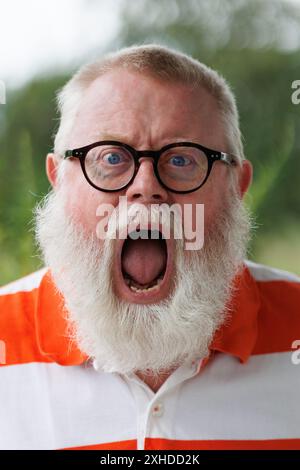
column 113, row 158
column 179, row 160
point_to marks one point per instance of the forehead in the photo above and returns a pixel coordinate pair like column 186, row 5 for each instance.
column 143, row 110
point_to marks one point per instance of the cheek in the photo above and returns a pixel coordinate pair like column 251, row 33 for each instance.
column 212, row 199
column 83, row 201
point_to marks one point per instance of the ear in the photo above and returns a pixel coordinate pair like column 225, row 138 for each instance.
column 52, row 162
column 245, row 177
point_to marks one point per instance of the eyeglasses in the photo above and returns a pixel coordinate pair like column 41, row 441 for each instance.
column 181, row 167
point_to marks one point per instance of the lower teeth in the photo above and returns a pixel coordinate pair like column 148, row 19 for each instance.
column 147, row 289
column 143, row 289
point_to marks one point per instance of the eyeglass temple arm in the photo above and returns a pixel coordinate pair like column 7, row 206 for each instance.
column 228, row 158
column 72, row 153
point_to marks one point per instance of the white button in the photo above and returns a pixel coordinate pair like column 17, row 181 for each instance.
column 157, row 409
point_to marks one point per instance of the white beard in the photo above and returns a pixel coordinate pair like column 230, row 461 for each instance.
column 125, row 337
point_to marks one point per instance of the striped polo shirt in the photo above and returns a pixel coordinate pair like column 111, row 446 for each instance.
column 244, row 395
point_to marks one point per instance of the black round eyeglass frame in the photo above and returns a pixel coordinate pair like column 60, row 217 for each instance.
column 211, row 155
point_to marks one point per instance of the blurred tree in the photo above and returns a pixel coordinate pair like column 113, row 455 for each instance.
column 26, row 137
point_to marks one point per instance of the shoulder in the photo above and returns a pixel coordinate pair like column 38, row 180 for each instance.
column 279, row 312
column 17, row 316
column 278, row 288
column 264, row 273
column 18, row 297
column 24, row 284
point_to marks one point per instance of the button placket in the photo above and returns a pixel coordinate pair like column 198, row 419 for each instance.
column 143, row 396
column 152, row 416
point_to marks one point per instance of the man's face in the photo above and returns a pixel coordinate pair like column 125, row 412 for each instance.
column 155, row 330
column 146, row 114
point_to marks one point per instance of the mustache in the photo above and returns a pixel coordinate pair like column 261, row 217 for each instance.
column 125, row 219
column 177, row 221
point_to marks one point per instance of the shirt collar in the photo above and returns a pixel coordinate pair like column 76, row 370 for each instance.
column 237, row 336
column 51, row 326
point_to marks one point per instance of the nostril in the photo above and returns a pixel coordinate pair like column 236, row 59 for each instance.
column 139, row 196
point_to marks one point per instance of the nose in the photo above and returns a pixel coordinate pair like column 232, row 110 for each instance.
column 145, row 187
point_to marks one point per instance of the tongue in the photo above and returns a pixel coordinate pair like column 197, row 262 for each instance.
column 144, row 259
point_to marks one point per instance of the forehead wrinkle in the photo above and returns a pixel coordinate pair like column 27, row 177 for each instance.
column 146, row 134
column 140, row 131
column 130, row 116
column 153, row 136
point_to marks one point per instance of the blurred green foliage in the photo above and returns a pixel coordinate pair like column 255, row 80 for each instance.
column 244, row 41
column 28, row 121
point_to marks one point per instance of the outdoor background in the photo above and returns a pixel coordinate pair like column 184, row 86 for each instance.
column 255, row 44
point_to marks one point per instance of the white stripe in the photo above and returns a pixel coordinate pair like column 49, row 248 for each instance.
column 261, row 272
column 46, row 406
column 256, row 400
column 24, row 284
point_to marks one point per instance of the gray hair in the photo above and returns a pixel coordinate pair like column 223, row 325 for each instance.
column 160, row 62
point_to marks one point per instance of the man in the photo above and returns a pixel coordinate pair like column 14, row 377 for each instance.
column 137, row 342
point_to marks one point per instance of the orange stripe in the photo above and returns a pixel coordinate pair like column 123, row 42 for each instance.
column 277, row 324
column 279, row 316
column 166, row 444
column 52, row 326
column 269, row 444
column 17, row 327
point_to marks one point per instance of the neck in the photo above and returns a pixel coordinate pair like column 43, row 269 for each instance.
column 155, row 382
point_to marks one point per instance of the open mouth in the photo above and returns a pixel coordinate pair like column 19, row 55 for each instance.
column 144, row 266
column 144, row 260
